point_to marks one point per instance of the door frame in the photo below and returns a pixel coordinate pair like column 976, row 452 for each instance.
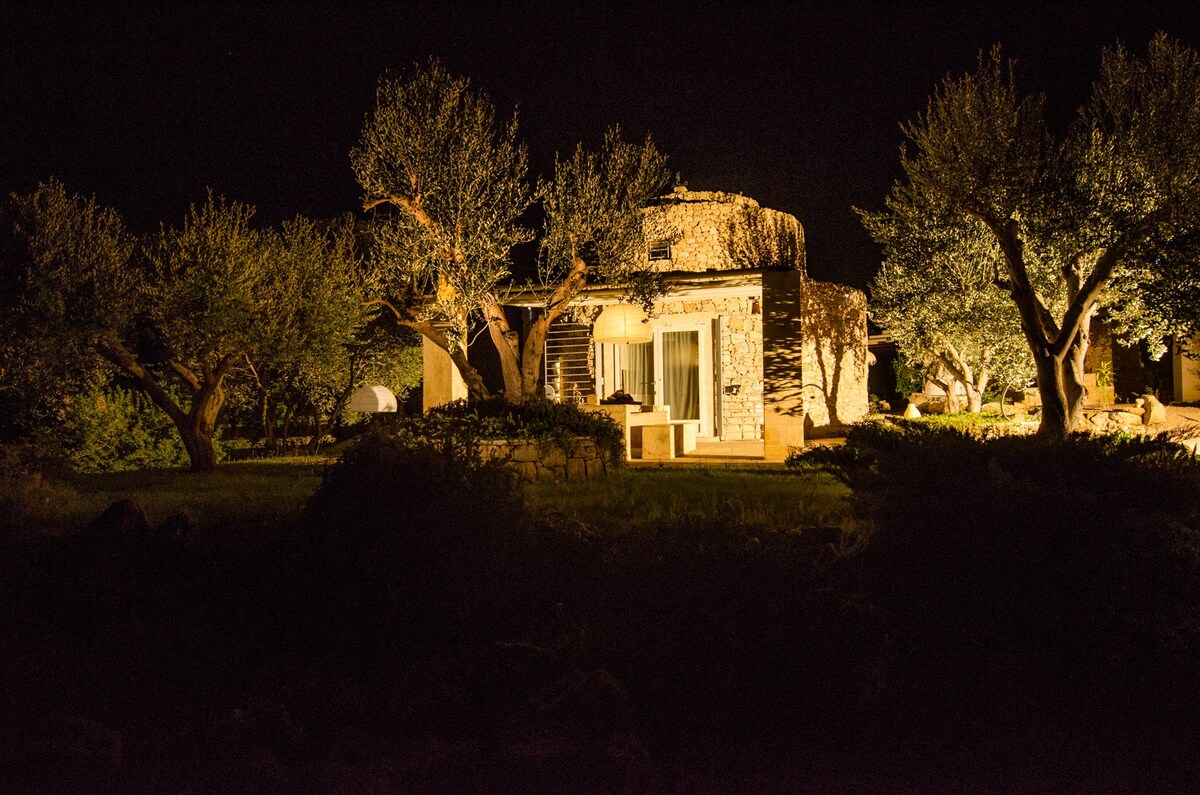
column 661, row 326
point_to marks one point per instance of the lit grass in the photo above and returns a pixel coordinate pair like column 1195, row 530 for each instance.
column 253, row 498
column 237, row 497
column 633, row 499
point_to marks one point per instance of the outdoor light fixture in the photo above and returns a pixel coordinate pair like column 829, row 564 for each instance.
column 372, row 399
column 622, row 323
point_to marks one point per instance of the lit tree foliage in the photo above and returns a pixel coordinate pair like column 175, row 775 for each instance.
column 1110, row 211
column 594, row 231
column 64, row 281
column 209, row 305
column 179, row 316
column 454, row 186
column 315, row 349
column 936, row 295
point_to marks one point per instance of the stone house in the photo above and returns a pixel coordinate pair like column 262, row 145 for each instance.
column 744, row 343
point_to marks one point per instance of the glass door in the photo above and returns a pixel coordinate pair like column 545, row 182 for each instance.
column 675, row 369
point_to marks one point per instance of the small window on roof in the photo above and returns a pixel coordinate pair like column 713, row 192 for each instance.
column 660, row 251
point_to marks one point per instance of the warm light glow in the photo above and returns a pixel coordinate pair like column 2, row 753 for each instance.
column 373, row 398
column 622, row 323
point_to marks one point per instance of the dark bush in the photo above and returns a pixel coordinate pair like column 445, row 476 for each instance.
column 1041, row 596
column 403, row 540
column 722, row 631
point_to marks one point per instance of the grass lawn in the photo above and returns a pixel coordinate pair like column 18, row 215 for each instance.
column 252, row 496
column 632, row 499
column 243, row 496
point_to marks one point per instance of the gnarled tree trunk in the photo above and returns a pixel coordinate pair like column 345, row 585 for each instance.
column 196, row 425
column 521, row 363
column 201, row 421
column 476, row 389
column 973, row 383
column 1060, row 386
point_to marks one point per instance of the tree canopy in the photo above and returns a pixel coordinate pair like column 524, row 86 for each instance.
column 64, row 283
column 1108, row 214
column 449, row 188
column 936, row 295
column 179, row 314
column 594, row 230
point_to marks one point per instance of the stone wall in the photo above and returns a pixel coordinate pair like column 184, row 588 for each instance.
column 741, row 356
column 535, row 462
column 833, row 321
column 709, row 230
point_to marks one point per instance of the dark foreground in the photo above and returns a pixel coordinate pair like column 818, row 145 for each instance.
column 1004, row 617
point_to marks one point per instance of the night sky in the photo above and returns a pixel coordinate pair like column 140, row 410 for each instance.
column 798, row 106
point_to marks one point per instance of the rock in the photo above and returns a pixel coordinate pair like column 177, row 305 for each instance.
column 1125, row 418
column 918, row 399
column 1155, row 412
column 124, row 522
column 526, row 453
column 912, row 412
column 935, row 406
column 990, row 408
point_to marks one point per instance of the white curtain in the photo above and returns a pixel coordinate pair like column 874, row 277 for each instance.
column 681, row 373
column 637, row 371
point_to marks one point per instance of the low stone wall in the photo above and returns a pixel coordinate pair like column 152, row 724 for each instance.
column 536, row 462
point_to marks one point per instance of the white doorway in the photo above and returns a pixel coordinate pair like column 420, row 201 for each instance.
column 675, row 369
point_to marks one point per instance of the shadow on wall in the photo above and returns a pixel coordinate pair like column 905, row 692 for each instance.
column 783, row 386
column 814, row 351
column 834, row 333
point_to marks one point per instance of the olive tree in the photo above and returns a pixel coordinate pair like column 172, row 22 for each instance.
column 936, row 296
column 449, row 186
column 595, row 230
column 1108, row 211
column 175, row 316
column 65, row 281
column 319, row 343
column 453, row 184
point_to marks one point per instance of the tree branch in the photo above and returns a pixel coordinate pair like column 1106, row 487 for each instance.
column 406, row 318
column 223, row 367
column 413, row 207
column 185, row 374
column 1036, row 318
column 1089, row 292
column 117, row 355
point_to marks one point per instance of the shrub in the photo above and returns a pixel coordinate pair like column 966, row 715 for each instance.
column 1034, row 590
column 117, row 430
column 402, row 539
column 464, row 425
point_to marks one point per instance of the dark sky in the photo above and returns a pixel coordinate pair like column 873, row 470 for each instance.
column 795, row 105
